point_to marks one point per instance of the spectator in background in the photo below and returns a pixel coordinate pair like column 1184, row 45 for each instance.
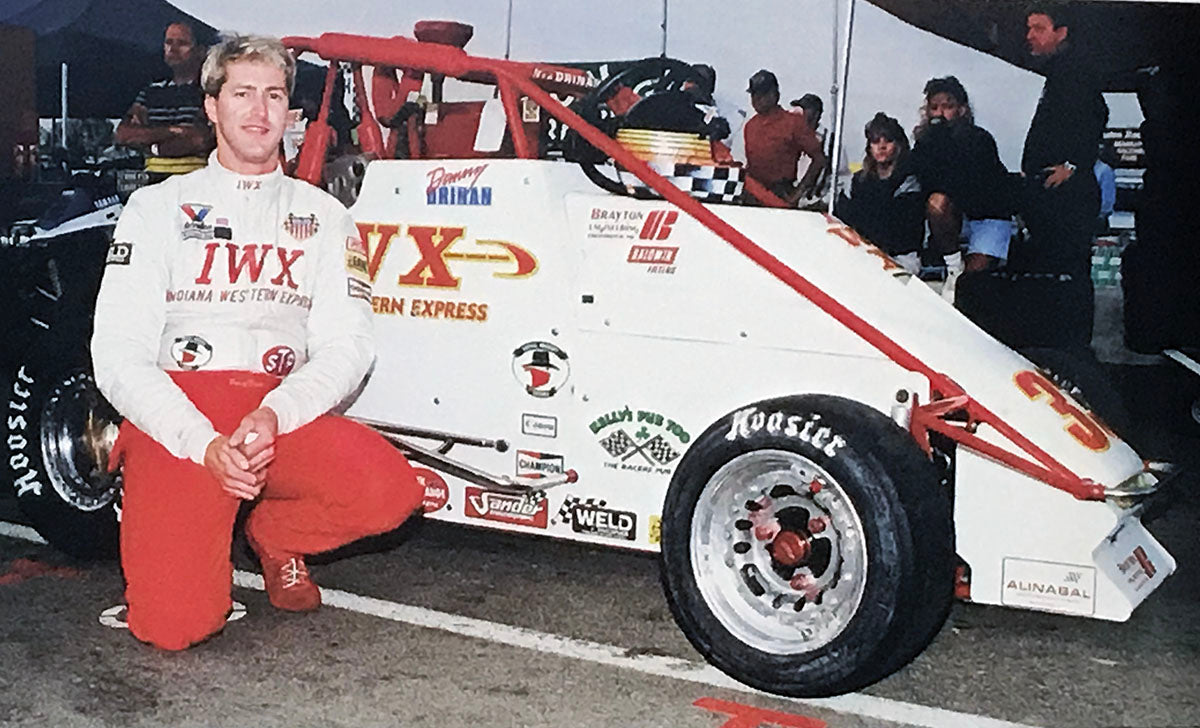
column 1063, row 198
column 811, row 106
column 167, row 121
column 971, row 193
column 776, row 139
column 885, row 203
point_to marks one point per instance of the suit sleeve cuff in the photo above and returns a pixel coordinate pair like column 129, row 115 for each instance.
column 196, row 444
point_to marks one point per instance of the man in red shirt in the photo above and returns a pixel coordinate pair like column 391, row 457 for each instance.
column 775, row 140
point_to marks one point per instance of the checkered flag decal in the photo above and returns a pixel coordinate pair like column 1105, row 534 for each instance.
column 566, row 512
column 618, row 443
column 660, row 450
column 705, row 182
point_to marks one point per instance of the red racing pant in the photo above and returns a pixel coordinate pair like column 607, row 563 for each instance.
column 332, row 481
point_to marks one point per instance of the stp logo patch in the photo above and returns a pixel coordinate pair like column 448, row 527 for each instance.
column 279, row 360
column 542, row 367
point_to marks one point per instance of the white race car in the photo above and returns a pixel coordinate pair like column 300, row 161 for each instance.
column 824, row 451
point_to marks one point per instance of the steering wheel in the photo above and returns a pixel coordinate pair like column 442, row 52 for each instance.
column 669, row 92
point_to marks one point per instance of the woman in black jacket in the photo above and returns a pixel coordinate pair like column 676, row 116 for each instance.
column 885, row 204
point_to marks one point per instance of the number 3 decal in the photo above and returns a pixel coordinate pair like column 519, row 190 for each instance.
column 1080, row 425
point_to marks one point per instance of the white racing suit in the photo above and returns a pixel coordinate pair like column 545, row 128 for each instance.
column 222, row 293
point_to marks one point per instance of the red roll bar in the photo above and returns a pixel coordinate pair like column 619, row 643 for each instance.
column 537, row 81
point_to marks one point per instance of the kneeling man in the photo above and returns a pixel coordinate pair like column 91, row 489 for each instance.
column 228, row 324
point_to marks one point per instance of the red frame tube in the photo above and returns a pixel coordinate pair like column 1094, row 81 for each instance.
column 509, row 75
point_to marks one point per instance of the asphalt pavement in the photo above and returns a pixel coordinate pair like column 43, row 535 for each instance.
column 449, row 627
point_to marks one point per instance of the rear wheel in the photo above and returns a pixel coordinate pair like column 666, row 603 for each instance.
column 807, row 546
column 59, row 430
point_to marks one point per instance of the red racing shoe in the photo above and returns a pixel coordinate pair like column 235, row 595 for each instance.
column 289, row 586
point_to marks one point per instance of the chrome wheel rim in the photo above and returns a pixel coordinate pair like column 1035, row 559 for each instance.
column 778, row 552
column 78, row 432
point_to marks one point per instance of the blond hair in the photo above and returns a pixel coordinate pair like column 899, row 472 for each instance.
column 233, row 48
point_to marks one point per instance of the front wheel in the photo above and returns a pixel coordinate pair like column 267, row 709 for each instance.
column 807, row 546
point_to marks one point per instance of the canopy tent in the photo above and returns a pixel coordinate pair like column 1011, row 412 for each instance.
column 112, row 47
column 1120, row 38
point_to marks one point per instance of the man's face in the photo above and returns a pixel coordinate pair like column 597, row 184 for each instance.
column 944, row 106
column 883, row 150
column 178, row 45
column 1041, row 35
column 249, row 115
column 764, row 101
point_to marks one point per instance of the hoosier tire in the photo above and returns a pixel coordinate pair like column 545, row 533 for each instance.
column 58, row 428
column 807, row 546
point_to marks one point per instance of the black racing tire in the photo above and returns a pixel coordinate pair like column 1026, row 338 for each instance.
column 59, row 429
column 870, row 598
column 1079, row 373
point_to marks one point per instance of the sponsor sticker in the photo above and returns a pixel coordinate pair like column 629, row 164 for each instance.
column 279, row 360
column 222, row 230
column 521, row 510
column 356, row 265
column 301, row 227
column 656, row 258
column 355, row 244
column 191, row 352
column 593, row 516
column 617, row 224
column 640, row 440
column 358, row 289
column 530, row 111
column 654, row 529
column 195, row 228
column 119, row 253
column 541, row 367
column 457, row 187
column 533, row 464
column 1049, row 586
column 539, row 425
column 1133, row 560
column 436, row 492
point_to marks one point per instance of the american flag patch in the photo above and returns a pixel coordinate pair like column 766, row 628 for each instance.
column 301, row 228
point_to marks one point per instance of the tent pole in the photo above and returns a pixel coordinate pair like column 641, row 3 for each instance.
column 664, row 29
column 508, row 33
column 63, row 106
column 840, row 120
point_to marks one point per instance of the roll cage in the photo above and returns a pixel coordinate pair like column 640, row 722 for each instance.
column 950, row 411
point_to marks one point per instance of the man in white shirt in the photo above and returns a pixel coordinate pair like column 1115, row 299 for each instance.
column 233, row 315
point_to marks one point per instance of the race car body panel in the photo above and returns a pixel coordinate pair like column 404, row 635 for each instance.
column 602, row 334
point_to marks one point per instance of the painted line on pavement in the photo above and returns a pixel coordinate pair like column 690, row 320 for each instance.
column 860, row 704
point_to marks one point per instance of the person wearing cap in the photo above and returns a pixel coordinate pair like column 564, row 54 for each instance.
column 811, row 106
column 776, row 139
column 885, row 203
column 971, row 193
